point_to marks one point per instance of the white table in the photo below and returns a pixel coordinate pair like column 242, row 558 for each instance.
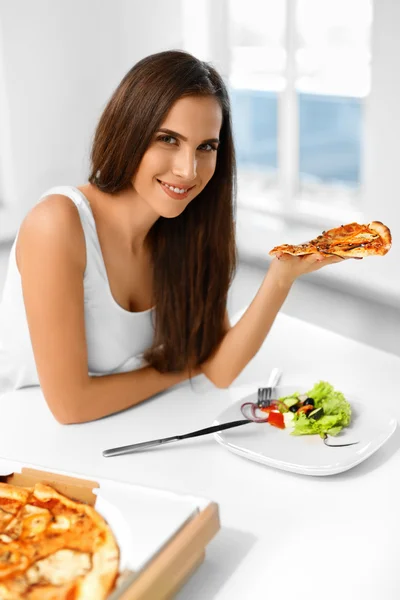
column 283, row 535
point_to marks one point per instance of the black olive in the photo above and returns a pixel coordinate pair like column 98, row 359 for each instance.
column 309, row 401
column 293, row 408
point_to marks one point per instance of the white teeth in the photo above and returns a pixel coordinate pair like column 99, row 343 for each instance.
column 175, row 189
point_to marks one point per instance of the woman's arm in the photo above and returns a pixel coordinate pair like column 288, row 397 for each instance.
column 51, row 258
column 242, row 342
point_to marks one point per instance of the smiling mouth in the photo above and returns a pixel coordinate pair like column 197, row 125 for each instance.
column 181, row 194
column 175, row 189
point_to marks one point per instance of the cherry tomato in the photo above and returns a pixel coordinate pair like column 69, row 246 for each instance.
column 276, row 419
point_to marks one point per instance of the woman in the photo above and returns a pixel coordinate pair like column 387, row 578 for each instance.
column 132, row 269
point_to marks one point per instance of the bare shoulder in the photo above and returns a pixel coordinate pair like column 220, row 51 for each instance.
column 53, row 222
column 51, row 258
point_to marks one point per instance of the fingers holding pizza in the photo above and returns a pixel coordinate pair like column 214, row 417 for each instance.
column 289, row 267
column 311, row 258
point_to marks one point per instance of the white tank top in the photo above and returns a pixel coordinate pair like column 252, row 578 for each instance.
column 115, row 337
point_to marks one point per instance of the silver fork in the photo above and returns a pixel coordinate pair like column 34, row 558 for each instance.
column 264, row 395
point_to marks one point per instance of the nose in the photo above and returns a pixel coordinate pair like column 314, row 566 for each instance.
column 185, row 165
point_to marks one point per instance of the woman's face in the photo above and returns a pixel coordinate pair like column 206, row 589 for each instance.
column 181, row 156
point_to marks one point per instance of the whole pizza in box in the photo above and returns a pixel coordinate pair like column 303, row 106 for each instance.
column 52, row 547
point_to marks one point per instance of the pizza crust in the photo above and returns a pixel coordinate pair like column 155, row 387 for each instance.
column 12, row 492
column 384, row 232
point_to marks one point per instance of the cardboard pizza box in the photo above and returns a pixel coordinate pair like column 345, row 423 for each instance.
column 162, row 535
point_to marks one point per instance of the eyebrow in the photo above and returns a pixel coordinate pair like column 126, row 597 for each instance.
column 182, row 137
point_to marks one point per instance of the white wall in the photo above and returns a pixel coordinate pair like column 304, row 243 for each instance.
column 61, row 62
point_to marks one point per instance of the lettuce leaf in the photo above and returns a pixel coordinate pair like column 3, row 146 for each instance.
column 337, row 412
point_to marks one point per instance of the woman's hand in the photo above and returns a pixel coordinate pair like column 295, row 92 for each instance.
column 288, row 268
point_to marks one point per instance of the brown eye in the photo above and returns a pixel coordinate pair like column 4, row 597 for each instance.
column 167, row 139
column 208, row 148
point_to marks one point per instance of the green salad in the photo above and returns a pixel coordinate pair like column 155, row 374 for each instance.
column 322, row 410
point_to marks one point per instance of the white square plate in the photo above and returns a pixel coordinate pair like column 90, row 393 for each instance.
column 307, row 454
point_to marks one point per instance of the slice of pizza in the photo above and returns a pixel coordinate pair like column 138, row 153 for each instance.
column 347, row 241
column 54, row 547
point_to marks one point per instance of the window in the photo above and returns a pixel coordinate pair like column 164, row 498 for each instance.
column 298, row 78
column 255, row 79
column 332, row 80
column 298, row 74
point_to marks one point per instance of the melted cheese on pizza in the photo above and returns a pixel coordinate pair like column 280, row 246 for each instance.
column 52, row 547
column 59, row 568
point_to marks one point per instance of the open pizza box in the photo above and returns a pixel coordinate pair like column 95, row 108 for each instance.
column 161, row 535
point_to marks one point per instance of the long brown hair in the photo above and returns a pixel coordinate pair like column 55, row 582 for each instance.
column 194, row 254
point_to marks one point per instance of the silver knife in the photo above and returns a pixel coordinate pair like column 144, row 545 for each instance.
column 152, row 443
